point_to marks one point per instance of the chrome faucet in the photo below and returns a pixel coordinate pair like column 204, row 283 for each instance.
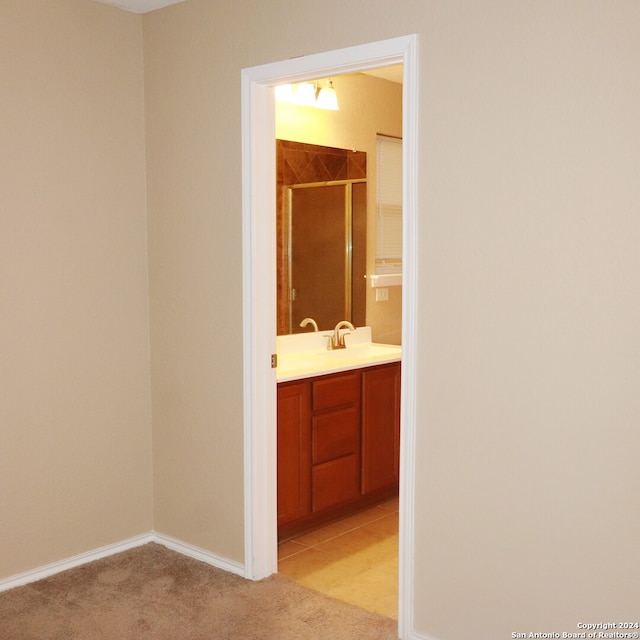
column 310, row 321
column 336, row 339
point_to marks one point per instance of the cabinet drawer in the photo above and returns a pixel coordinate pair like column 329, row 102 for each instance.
column 336, row 482
column 335, row 434
column 336, row 391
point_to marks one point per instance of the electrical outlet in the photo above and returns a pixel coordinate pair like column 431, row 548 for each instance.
column 382, row 294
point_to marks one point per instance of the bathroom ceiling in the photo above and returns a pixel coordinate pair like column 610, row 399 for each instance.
column 140, row 6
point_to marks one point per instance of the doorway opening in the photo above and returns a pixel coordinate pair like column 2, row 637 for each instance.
column 338, row 464
column 259, row 295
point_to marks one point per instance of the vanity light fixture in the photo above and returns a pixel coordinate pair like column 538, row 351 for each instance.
column 305, row 95
column 308, row 94
column 327, row 98
column 284, row 93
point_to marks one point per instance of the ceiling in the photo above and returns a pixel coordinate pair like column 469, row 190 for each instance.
column 140, row 6
column 393, row 73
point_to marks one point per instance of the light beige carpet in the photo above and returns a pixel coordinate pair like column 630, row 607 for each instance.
column 153, row 593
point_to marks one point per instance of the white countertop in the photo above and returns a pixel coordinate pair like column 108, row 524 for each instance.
column 305, row 355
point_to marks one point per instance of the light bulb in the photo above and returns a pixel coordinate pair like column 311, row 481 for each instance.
column 327, row 98
column 305, row 95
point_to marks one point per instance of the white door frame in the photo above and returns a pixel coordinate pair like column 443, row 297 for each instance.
column 259, row 295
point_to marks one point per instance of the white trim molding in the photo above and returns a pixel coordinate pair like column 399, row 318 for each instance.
column 75, row 561
column 409, row 338
column 259, row 327
column 183, row 548
column 198, row 553
column 259, row 298
column 420, row 636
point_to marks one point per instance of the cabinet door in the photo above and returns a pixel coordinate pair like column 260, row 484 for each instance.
column 380, row 427
column 294, row 451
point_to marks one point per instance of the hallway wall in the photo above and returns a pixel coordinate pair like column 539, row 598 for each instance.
column 528, row 303
column 528, row 309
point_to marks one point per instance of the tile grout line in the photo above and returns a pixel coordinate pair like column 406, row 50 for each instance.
column 348, row 531
column 360, row 526
column 386, row 512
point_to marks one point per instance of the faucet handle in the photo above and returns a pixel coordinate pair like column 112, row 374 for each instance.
column 330, row 345
column 343, row 336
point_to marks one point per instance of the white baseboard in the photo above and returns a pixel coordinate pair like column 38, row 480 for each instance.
column 184, row 548
column 418, row 636
column 198, row 553
column 75, row 561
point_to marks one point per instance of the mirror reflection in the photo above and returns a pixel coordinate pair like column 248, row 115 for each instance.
column 322, row 221
column 322, row 150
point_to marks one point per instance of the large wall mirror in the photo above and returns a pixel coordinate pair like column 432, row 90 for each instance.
column 322, row 205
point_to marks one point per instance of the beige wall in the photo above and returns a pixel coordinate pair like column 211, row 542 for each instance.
column 527, row 413
column 368, row 106
column 195, row 261
column 75, row 460
column 529, row 370
column 529, row 312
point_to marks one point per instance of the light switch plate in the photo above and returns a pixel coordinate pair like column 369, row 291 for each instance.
column 382, row 294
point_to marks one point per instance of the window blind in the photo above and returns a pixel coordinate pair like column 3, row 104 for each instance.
column 388, row 205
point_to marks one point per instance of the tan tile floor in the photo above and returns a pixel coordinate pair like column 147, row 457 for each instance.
column 355, row 559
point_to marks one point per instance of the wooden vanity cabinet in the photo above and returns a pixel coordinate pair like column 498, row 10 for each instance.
column 338, row 444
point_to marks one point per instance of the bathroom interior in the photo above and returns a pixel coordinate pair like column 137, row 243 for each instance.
column 339, row 325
